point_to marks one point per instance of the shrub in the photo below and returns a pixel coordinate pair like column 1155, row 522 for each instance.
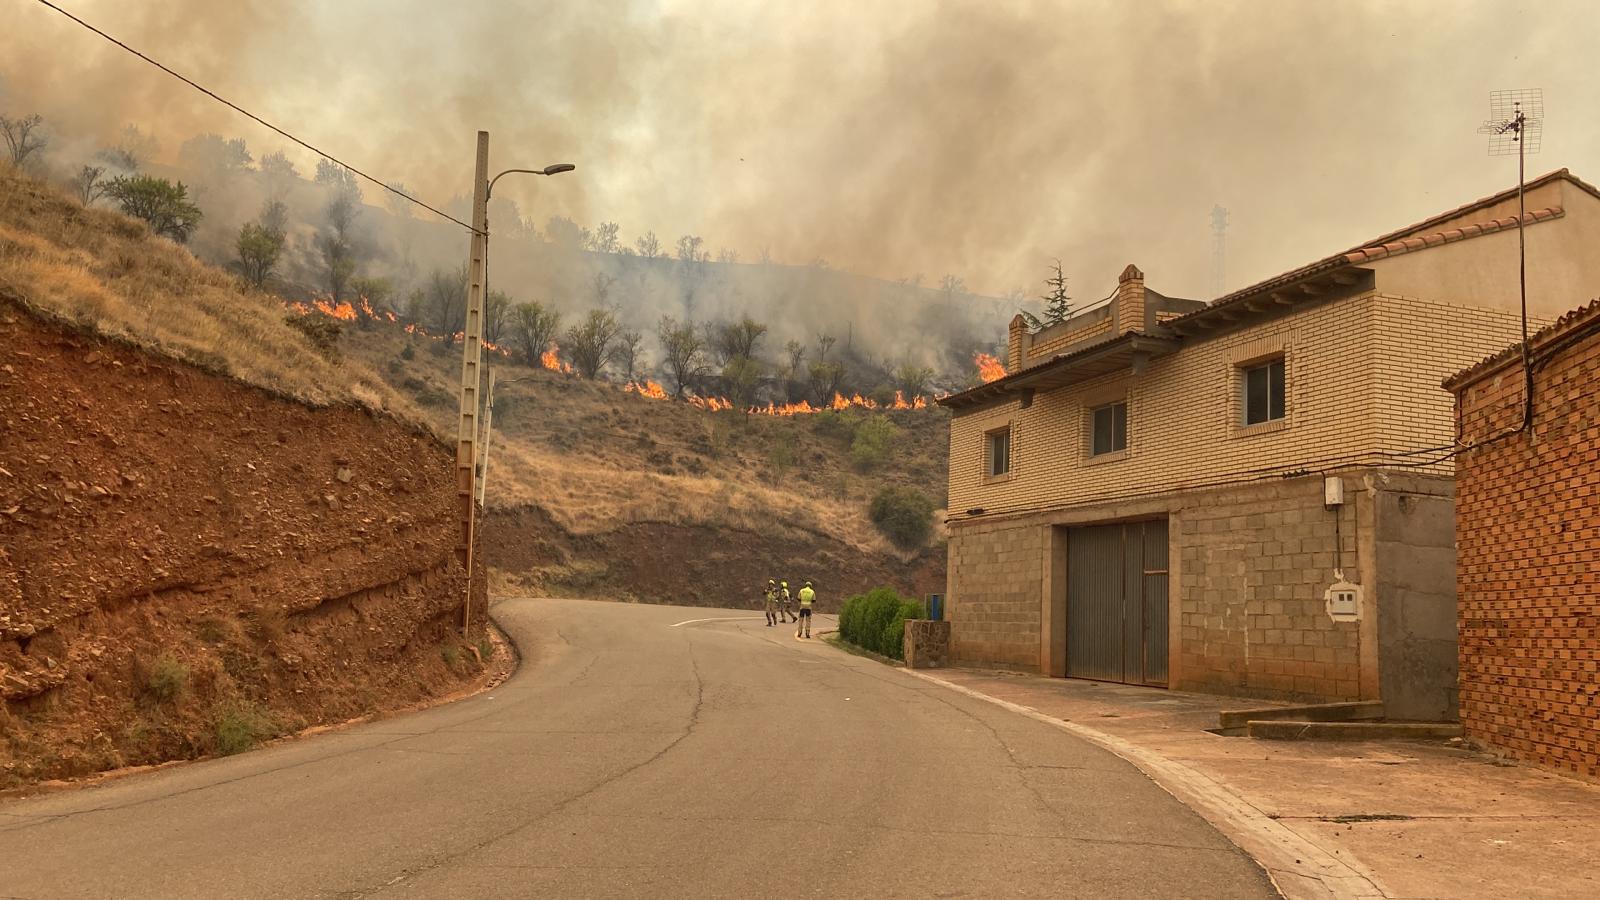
column 904, row 515
column 167, row 678
column 236, row 727
column 871, row 444
column 321, row 331
column 875, row 620
column 408, row 351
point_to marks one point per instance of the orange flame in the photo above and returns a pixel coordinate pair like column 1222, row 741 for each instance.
column 551, row 360
column 647, row 388
column 989, row 368
column 300, row 309
column 344, row 312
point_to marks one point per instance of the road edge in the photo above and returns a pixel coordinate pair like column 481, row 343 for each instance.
column 506, row 662
column 1297, row 867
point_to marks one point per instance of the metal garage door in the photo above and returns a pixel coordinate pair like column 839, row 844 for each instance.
column 1117, row 602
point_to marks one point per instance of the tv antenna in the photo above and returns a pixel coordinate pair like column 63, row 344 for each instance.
column 1515, row 125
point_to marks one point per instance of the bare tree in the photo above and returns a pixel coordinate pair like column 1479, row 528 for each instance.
column 23, row 136
column 690, row 254
column 626, row 353
column 496, row 315
column 601, row 287
column 444, row 308
column 727, row 256
column 797, row 353
column 605, row 238
column 649, row 245
column 684, row 349
column 90, row 184
column 589, row 343
column 533, row 327
column 825, row 343
column 337, row 241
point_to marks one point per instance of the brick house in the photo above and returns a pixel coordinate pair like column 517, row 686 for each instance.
column 1252, row 495
column 1528, row 544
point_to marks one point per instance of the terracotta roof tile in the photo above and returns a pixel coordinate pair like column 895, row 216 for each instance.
column 1584, row 317
column 1395, row 248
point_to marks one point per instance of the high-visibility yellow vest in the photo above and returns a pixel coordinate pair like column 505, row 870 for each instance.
column 806, row 596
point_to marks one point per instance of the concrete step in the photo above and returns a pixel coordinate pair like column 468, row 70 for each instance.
column 1281, row 730
column 1229, row 719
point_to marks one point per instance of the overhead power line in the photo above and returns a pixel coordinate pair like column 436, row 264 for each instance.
column 239, row 109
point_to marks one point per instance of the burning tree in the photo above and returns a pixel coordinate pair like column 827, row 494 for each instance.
column 626, row 352
column 337, row 243
column 533, row 327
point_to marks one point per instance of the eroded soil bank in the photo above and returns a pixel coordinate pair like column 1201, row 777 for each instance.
column 189, row 564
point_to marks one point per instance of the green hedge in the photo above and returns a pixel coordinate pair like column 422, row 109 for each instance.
column 876, row 620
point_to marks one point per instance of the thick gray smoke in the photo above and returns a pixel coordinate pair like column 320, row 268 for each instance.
column 976, row 139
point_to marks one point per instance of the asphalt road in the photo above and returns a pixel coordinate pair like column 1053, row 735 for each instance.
column 632, row 756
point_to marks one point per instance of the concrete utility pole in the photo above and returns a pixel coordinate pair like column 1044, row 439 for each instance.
column 471, row 359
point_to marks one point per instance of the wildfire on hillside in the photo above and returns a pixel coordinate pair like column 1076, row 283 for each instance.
column 654, row 391
column 551, row 359
column 989, row 368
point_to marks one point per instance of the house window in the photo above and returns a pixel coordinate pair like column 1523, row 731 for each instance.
column 1110, row 429
column 997, row 452
column 1263, row 392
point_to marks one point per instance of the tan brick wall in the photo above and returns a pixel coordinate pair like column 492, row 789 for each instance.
column 1528, row 538
column 1363, row 377
column 1056, row 338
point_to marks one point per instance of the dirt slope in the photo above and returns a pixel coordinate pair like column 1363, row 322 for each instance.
column 193, row 560
column 598, row 492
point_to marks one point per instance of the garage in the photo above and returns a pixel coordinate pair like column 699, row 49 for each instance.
column 1117, row 602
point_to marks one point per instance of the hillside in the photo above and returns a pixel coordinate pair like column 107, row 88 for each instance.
column 209, row 533
column 595, row 491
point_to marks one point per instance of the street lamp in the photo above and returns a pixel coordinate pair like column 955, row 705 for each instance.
column 554, row 169
column 488, row 418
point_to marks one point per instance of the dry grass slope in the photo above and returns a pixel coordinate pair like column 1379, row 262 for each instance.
column 106, row 272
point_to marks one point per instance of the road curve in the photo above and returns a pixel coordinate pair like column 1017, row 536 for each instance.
column 635, row 756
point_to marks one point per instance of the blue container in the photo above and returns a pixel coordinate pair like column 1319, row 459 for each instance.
column 936, row 607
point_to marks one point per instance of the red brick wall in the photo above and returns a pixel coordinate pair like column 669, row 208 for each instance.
column 1528, row 577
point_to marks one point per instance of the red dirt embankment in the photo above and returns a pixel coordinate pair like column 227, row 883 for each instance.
column 189, row 564
column 699, row 565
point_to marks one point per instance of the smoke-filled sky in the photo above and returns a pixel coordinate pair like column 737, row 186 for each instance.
column 976, row 138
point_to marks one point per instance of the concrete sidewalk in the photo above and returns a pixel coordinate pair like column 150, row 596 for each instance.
column 1328, row 819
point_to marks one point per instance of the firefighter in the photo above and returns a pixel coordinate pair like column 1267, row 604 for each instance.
column 807, row 597
column 772, row 602
column 785, row 604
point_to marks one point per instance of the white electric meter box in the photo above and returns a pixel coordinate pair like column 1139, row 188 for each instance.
column 1332, row 491
column 1343, row 601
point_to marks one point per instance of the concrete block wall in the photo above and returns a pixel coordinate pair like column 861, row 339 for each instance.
column 1528, row 533
column 995, row 580
column 1255, row 562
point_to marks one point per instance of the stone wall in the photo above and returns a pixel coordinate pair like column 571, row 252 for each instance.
column 927, row 644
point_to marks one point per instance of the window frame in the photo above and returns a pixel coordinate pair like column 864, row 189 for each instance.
column 1094, row 428
column 1280, row 363
column 990, row 438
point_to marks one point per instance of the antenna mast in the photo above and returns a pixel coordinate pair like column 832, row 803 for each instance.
column 1219, row 251
column 1515, row 125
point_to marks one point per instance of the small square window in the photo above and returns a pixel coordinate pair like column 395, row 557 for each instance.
column 1263, row 392
column 997, row 452
column 1110, row 429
